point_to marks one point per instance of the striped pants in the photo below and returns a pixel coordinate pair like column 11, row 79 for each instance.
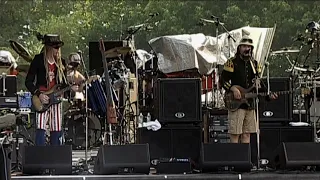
column 53, row 115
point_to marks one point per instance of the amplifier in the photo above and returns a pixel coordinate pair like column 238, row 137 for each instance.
column 281, row 108
column 8, row 92
column 218, row 128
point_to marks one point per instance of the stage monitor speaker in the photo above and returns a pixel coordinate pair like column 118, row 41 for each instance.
column 123, row 159
column 281, row 108
column 179, row 100
column 219, row 156
column 271, row 138
column 47, row 160
column 173, row 142
column 95, row 59
column 297, row 155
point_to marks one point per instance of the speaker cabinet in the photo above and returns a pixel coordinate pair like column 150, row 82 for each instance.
column 281, row 108
column 123, row 159
column 296, row 155
column 179, row 100
column 216, row 156
column 173, row 142
column 49, row 160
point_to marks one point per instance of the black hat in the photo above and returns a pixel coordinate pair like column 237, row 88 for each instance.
column 52, row 40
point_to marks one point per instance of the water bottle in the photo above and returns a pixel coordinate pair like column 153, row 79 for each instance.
column 140, row 120
column 148, row 117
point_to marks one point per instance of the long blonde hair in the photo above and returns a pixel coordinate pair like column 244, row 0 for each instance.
column 58, row 62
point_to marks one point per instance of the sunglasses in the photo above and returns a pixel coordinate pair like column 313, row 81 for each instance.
column 247, row 40
column 56, row 47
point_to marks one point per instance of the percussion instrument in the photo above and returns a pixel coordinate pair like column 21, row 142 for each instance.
column 97, row 98
column 25, row 99
column 75, row 130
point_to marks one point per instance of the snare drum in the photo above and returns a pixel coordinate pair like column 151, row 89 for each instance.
column 25, row 100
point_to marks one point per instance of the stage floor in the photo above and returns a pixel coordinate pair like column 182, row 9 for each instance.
column 220, row 176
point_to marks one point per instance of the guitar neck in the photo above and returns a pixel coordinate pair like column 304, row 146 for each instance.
column 278, row 92
column 61, row 91
column 106, row 73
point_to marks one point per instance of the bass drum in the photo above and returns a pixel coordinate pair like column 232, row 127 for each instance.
column 75, row 131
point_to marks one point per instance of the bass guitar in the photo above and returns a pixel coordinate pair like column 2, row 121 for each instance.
column 55, row 97
column 111, row 108
column 233, row 104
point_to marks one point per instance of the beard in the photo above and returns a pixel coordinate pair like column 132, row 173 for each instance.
column 246, row 53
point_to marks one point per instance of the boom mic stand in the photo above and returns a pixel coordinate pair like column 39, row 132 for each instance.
column 217, row 23
column 257, row 111
column 131, row 32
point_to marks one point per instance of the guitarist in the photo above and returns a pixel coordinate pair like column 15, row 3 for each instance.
column 46, row 70
column 241, row 70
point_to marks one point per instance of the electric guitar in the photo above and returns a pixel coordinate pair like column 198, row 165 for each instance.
column 54, row 95
column 233, row 104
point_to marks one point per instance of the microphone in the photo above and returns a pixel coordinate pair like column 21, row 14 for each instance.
column 153, row 14
column 135, row 27
column 79, row 52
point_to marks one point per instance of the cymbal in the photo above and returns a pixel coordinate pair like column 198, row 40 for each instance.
column 22, row 51
column 115, row 52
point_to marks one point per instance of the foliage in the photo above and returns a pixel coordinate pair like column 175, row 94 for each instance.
column 79, row 22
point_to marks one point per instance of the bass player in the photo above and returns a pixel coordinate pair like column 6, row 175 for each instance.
column 46, row 70
column 240, row 70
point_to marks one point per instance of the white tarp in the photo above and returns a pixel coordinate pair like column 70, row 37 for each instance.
column 6, row 57
column 182, row 52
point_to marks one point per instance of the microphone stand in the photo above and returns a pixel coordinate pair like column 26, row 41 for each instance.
column 85, row 166
column 217, row 22
column 130, row 37
column 257, row 111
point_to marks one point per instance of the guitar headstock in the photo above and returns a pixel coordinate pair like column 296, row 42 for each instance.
column 101, row 45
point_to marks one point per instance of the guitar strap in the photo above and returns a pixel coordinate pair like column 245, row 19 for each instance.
column 253, row 68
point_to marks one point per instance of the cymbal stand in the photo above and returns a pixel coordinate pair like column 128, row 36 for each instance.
column 85, row 166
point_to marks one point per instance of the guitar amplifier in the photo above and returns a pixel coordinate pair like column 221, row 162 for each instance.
column 8, row 91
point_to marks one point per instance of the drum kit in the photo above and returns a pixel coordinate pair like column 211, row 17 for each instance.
column 306, row 79
column 91, row 103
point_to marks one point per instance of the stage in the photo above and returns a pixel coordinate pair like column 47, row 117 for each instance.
column 220, row 176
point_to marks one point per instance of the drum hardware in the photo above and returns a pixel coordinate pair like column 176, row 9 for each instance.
column 21, row 122
column 117, row 51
